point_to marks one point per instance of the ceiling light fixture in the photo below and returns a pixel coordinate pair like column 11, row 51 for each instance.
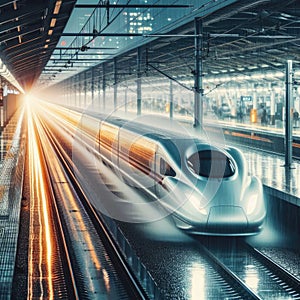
column 57, row 7
column 53, row 22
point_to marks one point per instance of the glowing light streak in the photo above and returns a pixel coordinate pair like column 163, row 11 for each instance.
column 77, row 224
column 39, row 203
column 32, row 204
column 252, row 277
column 198, row 276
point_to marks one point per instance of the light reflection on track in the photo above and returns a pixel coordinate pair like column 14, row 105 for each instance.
column 40, row 277
column 95, row 274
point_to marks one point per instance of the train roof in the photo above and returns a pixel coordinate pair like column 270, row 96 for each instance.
column 153, row 132
column 156, row 133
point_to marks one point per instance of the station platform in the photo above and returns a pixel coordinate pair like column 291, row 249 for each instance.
column 278, row 180
column 12, row 143
column 263, row 146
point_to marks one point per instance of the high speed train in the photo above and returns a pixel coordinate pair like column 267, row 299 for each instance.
column 206, row 188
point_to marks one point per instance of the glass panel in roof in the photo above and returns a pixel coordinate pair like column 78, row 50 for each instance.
column 125, row 27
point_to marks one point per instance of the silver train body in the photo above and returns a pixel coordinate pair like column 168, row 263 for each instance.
column 207, row 189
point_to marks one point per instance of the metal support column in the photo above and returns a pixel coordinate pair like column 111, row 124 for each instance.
column 77, row 87
column 272, row 106
column 68, row 93
column 104, row 87
column 92, row 87
column 139, row 83
column 115, row 84
column 171, row 99
column 85, row 89
column 64, row 87
column 65, row 94
column 198, row 89
column 75, row 90
column 79, row 91
column 126, row 98
column 71, row 92
column 99, row 89
column 289, row 114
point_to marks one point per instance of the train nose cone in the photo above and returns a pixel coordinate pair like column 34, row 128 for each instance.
column 227, row 218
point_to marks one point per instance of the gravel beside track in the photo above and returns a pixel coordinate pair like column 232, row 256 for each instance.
column 286, row 258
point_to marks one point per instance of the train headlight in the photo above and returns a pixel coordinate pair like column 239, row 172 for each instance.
column 252, row 202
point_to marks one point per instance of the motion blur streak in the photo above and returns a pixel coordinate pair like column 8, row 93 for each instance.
column 37, row 114
column 39, row 209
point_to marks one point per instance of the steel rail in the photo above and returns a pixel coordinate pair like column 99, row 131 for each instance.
column 97, row 220
column 282, row 273
column 69, row 277
column 245, row 291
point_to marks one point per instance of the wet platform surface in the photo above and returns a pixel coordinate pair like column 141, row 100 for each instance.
column 279, row 180
column 270, row 168
column 11, row 178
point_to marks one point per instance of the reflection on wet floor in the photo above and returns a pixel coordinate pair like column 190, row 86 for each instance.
column 270, row 169
column 12, row 153
column 267, row 166
column 5, row 140
column 277, row 128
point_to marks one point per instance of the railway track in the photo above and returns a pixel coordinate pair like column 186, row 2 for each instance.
column 254, row 274
column 231, row 270
column 92, row 236
column 50, row 273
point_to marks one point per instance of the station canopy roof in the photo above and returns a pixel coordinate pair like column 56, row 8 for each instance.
column 29, row 31
column 238, row 37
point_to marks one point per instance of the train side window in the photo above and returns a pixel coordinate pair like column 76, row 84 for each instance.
column 166, row 169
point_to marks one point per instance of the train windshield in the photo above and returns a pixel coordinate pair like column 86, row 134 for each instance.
column 211, row 163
